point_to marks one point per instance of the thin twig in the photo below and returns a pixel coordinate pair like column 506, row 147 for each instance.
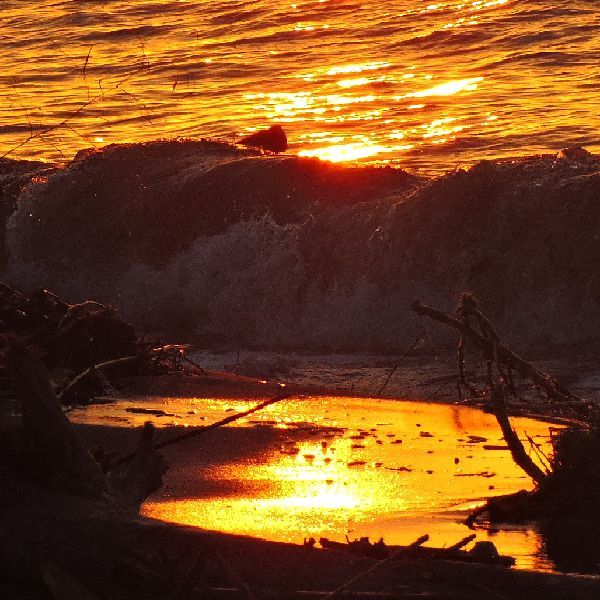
column 85, row 64
column 200, row 430
column 542, row 457
column 414, row 344
column 39, row 134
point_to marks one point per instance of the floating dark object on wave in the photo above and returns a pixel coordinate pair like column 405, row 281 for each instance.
column 272, row 139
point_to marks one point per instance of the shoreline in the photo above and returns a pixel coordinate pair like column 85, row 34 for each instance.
column 36, row 163
column 240, row 385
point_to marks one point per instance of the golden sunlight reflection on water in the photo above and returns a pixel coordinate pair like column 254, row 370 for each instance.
column 356, row 74
column 323, row 108
column 338, row 466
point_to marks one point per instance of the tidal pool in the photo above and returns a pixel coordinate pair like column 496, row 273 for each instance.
column 337, row 467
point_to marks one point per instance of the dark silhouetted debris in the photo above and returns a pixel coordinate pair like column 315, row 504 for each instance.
column 481, row 553
column 89, row 348
column 566, row 498
column 70, row 529
column 272, row 139
column 70, row 336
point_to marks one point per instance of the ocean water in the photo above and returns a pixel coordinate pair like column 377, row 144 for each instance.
column 418, row 84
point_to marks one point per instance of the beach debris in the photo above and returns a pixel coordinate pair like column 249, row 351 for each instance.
column 197, row 431
column 396, row 554
column 361, row 547
column 153, row 361
column 87, row 348
column 57, row 457
column 500, row 362
column 485, row 551
column 156, row 412
column 567, row 482
column 475, row 327
column 70, row 336
column 71, row 526
column 272, row 139
column 482, row 552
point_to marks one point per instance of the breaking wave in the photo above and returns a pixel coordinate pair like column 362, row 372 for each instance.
column 231, row 250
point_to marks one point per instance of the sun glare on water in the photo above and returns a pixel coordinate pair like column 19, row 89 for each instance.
column 447, row 89
column 366, row 69
column 344, row 152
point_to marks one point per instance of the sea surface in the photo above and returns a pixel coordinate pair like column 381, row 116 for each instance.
column 416, row 84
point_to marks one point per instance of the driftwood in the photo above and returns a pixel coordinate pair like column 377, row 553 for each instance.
column 380, row 551
column 517, row 450
column 500, row 361
column 101, row 378
column 378, row 565
column 504, row 357
column 66, row 525
column 54, row 453
column 197, row 431
column 51, row 446
column 82, row 388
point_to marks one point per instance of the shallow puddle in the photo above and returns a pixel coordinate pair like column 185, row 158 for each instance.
column 337, row 467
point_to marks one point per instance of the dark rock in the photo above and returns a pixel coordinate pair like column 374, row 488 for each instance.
column 272, row 139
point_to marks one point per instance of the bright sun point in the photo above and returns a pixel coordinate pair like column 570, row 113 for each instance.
column 448, row 89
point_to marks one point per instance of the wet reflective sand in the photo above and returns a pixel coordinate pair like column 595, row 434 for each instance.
column 337, row 466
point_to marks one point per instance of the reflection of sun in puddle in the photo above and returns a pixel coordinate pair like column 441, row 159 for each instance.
column 365, row 467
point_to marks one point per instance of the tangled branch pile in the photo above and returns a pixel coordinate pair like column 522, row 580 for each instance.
column 567, row 483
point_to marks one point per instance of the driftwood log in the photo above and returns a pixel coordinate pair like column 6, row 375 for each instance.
column 505, row 358
column 55, row 455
